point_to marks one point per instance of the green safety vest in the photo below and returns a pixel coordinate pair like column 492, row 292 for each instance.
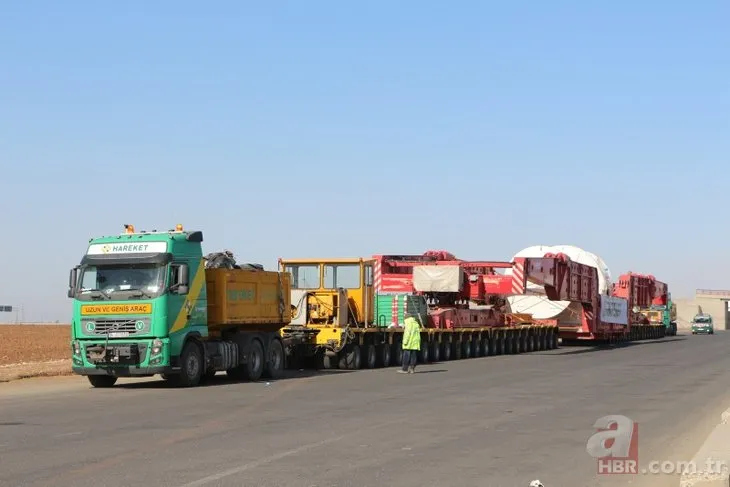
column 412, row 335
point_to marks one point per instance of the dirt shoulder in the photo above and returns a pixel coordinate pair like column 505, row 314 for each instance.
column 10, row 372
column 34, row 350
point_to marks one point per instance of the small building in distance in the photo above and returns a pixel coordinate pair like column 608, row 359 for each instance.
column 712, row 301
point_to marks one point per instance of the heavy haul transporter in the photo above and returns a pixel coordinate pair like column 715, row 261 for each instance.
column 151, row 303
column 348, row 313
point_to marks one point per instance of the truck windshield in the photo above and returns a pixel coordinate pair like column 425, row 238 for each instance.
column 121, row 281
column 702, row 319
column 304, row 276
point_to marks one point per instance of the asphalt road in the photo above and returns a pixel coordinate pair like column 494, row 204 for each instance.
column 494, row 421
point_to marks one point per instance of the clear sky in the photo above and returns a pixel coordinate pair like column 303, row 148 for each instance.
column 331, row 128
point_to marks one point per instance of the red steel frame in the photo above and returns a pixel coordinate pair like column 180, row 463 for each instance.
column 563, row 279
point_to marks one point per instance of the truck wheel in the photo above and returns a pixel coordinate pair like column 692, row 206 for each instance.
column 371, row 356
column 350, row 359
column 423, row 354
column 447, row 351
column 491, row 346
column 436, row 352
column 456, row 351
column 466, row 348
column 485, row 347
column 275, row 364
column 384, row 355
column 476, row 349
column 102, row 380
column 191, row 366
column 255, row 365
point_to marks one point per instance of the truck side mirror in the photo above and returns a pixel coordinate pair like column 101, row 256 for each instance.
column 182, row 279
column 72, row 277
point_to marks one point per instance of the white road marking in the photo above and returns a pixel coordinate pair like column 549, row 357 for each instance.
column 257, row 463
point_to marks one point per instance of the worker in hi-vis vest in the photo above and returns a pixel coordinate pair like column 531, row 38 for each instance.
column 411, row 344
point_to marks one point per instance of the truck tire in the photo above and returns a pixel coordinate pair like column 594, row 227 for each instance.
column 102, row 380
column 424, row 354
column 352, row 358
column 435, row 352
column 371, row 356
column 275, row 364
column 191, row 366
column 446, row 351
column 384, row 355
column 476, row 349
column 255, row 364
column 485, row 347
column 208, row 375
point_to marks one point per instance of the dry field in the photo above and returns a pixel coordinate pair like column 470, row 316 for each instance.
column 34, row 350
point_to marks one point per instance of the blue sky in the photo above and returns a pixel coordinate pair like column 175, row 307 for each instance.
column 326, row 128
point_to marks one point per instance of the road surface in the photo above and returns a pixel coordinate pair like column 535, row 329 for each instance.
column 494, row 421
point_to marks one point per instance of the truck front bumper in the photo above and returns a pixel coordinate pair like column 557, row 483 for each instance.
column 123, row 371
column 121, row 358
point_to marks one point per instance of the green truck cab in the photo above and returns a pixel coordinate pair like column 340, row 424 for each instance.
column 142, row 304
column 702, row 323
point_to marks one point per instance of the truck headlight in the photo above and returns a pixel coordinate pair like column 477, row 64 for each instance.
column 156, row 346
column 76, row 347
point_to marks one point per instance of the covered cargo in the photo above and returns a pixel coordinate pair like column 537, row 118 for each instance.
column 438, row 279
column 251, row 299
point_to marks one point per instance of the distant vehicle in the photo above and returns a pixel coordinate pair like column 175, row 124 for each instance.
column 702, row 323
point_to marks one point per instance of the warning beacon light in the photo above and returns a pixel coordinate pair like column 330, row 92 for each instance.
column 178, row 228
column 128, row 228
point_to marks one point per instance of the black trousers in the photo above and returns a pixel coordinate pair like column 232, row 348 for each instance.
column 409, row 358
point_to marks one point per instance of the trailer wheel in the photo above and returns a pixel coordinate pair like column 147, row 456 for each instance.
column 102, row 380
column 275, row 364
column 456, row 350
column 465, row 348
column 509, row 345
column 447, row 351
column 535, row 341
column 475, row 347
column 191, row 366
column 384, row 355
column 255, row 365
column 371, row 356
column 423, row 353
column 484, row 344
column 350, row 359
column 436, row 352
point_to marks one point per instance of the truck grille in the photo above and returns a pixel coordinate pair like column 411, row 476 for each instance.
column 126, row 327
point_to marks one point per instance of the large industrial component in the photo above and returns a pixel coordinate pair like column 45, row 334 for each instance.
column 536, row 302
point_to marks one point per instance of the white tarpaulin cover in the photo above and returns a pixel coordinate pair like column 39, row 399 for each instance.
column 614, row 310
column 441, row 278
